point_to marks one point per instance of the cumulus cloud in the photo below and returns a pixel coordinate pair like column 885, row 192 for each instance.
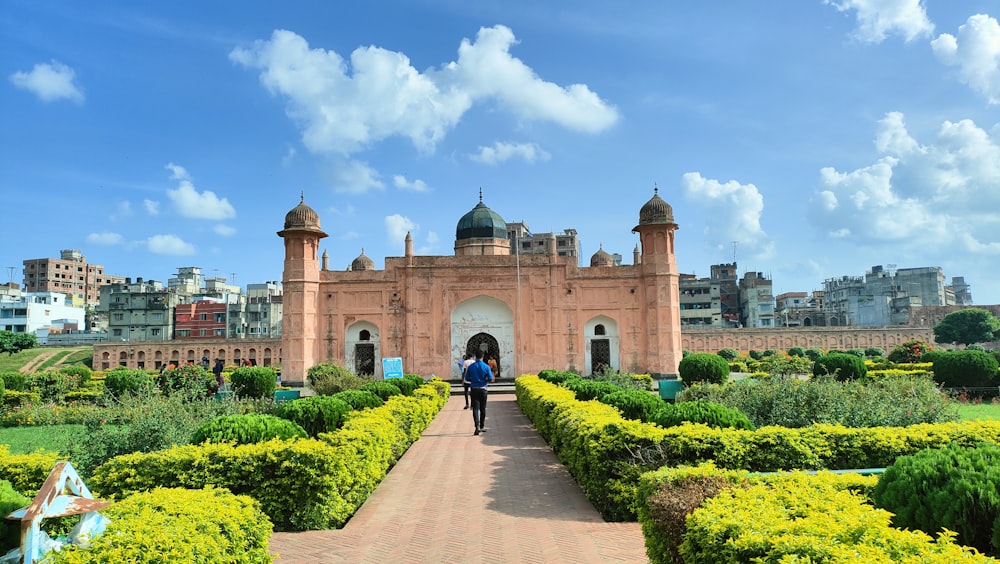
column 976, row 53
column 344, row 107
column 348, row 176
column 169, row 245
column 732, row 212
column 879, row 18
column 400, row 181
column 152, row 207
column 430, row 244
column 397, row 226
column 191, row 203
column 50, row 82
column 224, row 230
column 500, row 152
column 105, row 238
column 927, row 196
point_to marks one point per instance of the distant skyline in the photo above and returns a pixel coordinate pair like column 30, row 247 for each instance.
column 821, row 137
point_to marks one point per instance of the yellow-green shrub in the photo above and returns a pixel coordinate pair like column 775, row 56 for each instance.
column 178, row 525
column 792, row 521
column 26, row 472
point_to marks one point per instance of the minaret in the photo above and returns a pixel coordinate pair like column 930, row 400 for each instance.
column 300, row 342
column 660, row 279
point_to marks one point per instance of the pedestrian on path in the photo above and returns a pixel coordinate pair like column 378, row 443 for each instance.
column 466, row 361
column 478, row 375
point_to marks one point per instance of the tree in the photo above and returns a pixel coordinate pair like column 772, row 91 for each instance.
column 968, row 326
column 11, row 342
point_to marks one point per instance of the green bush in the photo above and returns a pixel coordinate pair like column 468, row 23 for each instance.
column 975, row 347
column 633, row 404
column 755, row 354
column 813, row 354
column 316, row 414
column 10, row 531
column 842, row 366
column 78, row 374
column 406, row 386
column 51, row 385
column 248, row 428
column 328, row 379
column 189, row 381
column 178, row 525
column 121, row 381
column 384, row 389
column 587, row 390
column 953, row 487
column 860, row 353
column 557, row 377
column 965, row 369
column 729, row 354
column 797, row 352
column 14, row 380
column 711, row 414
column 874, row 352
column 359, row 399
column 909, row 352
column 704, row 367
column 415, row 378
column 253, row 381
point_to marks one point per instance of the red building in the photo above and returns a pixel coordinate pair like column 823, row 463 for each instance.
column 202, row 319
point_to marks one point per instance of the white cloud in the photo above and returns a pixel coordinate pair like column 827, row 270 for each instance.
column 50, row 82
column 879, row 18
column 345, row 108
column 732, row 212
column 402, row 183
column 430, row 244
column 169, row 245
column 224, row 230
column 501, row 152
column 924, row 197
column 193, row 204
column 105, row 238
column 122, row 210
column 397, row 226
column 152, row 207
column 289, row 157
column 976, row 53
column 353, row 177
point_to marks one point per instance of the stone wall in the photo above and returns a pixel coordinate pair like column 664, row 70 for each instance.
column 825, row 338
column 152, row 354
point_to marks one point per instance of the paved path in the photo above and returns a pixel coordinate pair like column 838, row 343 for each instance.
column 500, row 497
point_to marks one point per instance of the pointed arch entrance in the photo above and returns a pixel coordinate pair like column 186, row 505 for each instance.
column 601, row 333
column 483, row 321
column 362, row 351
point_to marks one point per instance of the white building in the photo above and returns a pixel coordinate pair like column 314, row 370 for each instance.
column 40, row 313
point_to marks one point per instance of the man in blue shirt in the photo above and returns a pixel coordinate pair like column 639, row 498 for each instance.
column 478, row 376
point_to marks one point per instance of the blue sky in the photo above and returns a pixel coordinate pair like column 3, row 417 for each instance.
column 823, row 137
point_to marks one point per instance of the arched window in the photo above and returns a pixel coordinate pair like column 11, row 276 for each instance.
column 364, row 335
column 599, row 329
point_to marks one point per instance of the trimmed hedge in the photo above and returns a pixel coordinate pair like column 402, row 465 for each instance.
column 26, row 472
column 10, row 531
column 842, row 366
column 700, row 411
column 253, row 381
column 177, row 525
column 703, row 367
column 359, row 399
column 248, row 428
column 966, row 368
column 316, row 414
column 384, row 389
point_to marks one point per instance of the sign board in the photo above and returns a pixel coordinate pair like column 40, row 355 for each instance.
column 392, row 368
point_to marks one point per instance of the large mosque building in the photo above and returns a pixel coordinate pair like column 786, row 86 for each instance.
column 530, row 312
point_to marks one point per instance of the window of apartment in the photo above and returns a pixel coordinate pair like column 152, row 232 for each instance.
column 118, row 316
column 156, row 316
column 203, row 332
column 219, row 332
column 155, row 331
column 220, row 318
column 116, row 332
column 203, row 317
column 183, row 332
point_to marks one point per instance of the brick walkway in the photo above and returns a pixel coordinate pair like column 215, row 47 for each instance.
column 500, row 497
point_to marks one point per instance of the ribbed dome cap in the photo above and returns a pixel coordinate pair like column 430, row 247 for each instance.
column 602, row 258
column 481, row 222
column 656, row 211
column 302, row 217
column 363, row 262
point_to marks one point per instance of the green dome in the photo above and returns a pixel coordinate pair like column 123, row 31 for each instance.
column 481, row 222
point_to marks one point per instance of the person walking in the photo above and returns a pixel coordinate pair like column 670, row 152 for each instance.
column 478, row 375
column 466, row 361
column 217, row 370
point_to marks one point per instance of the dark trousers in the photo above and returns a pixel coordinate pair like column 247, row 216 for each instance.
column 465, row 389
column 479, row 407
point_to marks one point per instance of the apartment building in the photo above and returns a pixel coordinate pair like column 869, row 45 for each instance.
column 40, row 313
column 757, row 300
column 524, row 242
column 140, row 310
column 69, row 274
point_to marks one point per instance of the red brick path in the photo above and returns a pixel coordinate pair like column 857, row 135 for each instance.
column 500, row 497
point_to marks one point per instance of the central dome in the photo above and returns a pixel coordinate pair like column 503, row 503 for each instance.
column 481, row 222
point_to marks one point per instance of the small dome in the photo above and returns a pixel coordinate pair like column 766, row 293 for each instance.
column 363, row 262
column 302, row 217
column 602, row 258
column 656, row 211
column 481, row 222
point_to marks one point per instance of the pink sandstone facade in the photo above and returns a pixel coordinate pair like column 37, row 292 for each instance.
column 823, row 338
column 530, row 312
column 153, row 354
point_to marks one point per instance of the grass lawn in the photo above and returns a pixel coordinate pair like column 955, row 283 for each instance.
column 970, row 411
column 51, row 438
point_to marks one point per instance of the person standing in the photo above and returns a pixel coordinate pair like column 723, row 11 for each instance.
column 217, row 370
column 467, row 360
column 492, row 361
column 478, row 375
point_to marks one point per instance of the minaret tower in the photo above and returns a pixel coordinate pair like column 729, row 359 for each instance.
column 300, row 342
column 660, row 279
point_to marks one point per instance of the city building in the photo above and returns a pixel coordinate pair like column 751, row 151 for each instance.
column 699, row 301
column 886, row 295
column 524, row 242
column 259, row 314
column 69, row 274
column 140, row 310
column 201, row 319
column 531, row 312
column 757, row 300
column 40, row 313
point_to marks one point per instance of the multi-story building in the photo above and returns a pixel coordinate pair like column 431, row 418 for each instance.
column 258, row 314
column 69, row 274
column 887, row 295
column 524, row 242
column 139, row 311
column 699, row 301
column 40, row 313
column 201, row 319
column 757, row 300
column 961, row 290
column 729, row 293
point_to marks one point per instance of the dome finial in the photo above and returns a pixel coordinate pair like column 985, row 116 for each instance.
column 302, row 197
column 480, row 194
column 656, row 189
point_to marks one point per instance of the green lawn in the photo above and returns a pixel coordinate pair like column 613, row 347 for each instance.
column 982, row 411
column 51, row 438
